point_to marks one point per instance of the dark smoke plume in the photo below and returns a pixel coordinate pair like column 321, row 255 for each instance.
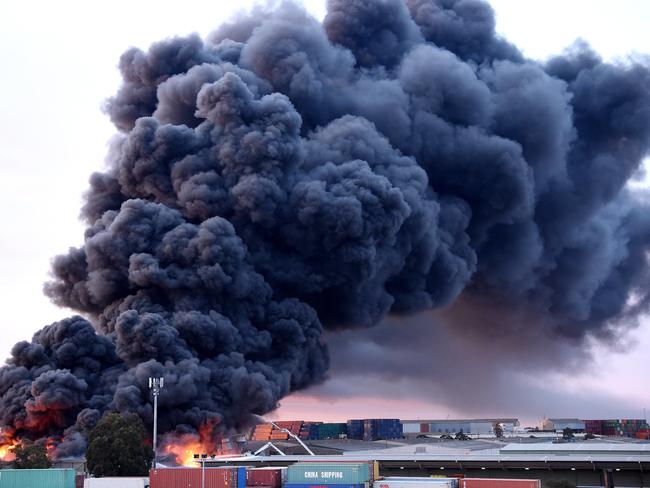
column 287, row 176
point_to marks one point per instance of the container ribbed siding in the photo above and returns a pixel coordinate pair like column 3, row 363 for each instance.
column 37, row 478
column 355, row 429
column 375, row 429
column 267, row 477
column 323, row 485
column 378, row 429
column 616, row 427
column 191, row 478
column 497, row 483
column 317, row 431
column 328, row 473
column 391, row 482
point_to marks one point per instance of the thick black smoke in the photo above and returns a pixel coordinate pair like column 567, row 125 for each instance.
column 286, row 174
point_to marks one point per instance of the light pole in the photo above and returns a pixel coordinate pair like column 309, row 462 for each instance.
column 155, row 384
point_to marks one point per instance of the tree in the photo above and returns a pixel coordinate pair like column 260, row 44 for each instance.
column 567, row 433
column 589, row 435
column 118, row 446
column 498, row 430
column 30, row 456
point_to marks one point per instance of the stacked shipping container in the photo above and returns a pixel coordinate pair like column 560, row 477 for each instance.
column 355, row 429
column 324, row 475
column 616, row 427
column 265, row 477
column 379, row 429
column 374, row 429
column 198, row 478
column 262, row 432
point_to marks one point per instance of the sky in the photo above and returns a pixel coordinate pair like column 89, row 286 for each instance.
column 59, row 65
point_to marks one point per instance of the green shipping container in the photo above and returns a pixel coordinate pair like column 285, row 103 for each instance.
column 37, row 478
column 328, row 473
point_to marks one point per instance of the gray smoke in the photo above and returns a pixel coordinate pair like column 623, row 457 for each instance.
column 287, row 176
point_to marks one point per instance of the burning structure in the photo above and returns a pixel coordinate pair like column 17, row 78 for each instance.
column 285, row 177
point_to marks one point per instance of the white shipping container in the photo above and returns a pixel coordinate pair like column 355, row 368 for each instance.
column 116, row 482
column 411, row 427
column 416, row 483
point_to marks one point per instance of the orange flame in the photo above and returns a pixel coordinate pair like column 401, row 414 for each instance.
column 6, row 446
column 184, row 452
column 186, row 446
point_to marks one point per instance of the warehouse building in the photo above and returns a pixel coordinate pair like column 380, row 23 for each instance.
column 478, row 427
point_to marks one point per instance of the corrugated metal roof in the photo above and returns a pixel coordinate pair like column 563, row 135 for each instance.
column 579, row 447
column 452, row 458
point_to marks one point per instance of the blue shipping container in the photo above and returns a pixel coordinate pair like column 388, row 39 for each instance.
column 241, row 477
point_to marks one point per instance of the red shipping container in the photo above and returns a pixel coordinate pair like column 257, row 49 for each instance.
column 79, row 480
column 495, row 483
column 264, row 477
column 424, row 427
column 191, row 478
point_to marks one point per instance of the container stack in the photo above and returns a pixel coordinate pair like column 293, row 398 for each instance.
column 198, row 478
column 265, row 477
column 379, row 429
column 611, row 427
column 355, row 429
column 318, row 431
column 616, row 427
column 594, row 427
column 308, row 430
column 334, row 475
column 262, row 432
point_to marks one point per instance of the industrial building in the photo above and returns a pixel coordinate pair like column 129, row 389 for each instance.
column 475, row 427
column 625, row 464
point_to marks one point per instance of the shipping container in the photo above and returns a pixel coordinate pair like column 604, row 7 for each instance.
column 329, row 473
column 79, row 480
column 396, row 482
column 497, row 483
column 37, row 478
column 192, row 477
column 115, row 482
column 322, row 485
column 269, row 477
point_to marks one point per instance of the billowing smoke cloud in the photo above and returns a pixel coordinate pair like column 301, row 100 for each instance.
column 287, row 176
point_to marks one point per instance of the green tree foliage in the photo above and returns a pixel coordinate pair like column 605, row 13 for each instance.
column 118, row 446
column 567, row 433
column 461, row 436
column 498, row 430
column 30, row 456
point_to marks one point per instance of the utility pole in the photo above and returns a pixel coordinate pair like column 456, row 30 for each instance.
column 155, row 384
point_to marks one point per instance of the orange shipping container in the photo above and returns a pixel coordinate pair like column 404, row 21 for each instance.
column 497, row 483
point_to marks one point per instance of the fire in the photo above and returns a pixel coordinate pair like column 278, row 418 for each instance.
column 183, row 447
column 6, row 446
column 184, row 452
column 208, row 441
